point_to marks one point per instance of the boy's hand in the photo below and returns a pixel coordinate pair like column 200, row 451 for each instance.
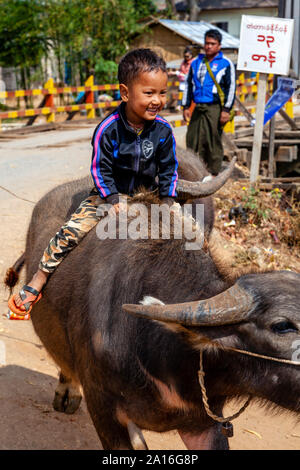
column 119, row 207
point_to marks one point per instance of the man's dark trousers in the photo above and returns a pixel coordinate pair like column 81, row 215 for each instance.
column 204, row 135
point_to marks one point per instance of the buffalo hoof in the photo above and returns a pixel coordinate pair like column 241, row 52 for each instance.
column 65, row 403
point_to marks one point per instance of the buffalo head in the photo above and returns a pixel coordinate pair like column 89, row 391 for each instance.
column 258, row 314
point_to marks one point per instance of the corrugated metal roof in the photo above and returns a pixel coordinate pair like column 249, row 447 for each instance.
column 194, row 31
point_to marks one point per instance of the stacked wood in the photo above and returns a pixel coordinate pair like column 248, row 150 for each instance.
column 281, row 140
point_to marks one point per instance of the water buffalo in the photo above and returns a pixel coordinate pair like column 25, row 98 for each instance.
column 139, row 373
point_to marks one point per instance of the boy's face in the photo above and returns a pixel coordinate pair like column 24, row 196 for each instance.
column 145, row 97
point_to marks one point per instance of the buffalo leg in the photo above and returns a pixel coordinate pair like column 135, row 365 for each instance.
column 136, row 437
column 210, row 439
column 102, row 409
column 67, row 396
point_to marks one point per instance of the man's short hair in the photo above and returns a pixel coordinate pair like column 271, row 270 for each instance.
column 139, row 61
column 215, row 34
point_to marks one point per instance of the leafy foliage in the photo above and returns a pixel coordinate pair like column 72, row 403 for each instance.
column 83, row 33
column 106, row 71
column 21, row 34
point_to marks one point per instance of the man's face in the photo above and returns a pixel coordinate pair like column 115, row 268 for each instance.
column 211, row 47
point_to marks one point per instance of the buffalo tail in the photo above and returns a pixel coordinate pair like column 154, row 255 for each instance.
column 12, row 274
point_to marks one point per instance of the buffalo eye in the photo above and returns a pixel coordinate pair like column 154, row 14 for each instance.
column 283, row 327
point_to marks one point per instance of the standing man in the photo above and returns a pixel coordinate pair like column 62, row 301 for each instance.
column 211, row 85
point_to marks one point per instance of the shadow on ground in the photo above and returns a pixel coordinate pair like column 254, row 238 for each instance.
column 28, row 420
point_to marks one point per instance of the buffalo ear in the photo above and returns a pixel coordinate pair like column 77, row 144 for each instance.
column 148, row 300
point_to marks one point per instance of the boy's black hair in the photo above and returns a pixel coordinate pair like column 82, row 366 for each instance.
column 138, row 61
column 215, row 34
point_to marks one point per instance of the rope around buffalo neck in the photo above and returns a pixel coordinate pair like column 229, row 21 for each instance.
column 201, row 375
column 220, row 419
column 270, row 358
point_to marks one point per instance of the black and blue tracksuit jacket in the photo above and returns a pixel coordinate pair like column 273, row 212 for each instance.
column 122, row 161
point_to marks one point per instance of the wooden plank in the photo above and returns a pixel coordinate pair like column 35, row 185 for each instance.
column 265, row 179
column 283, row 134
column 244, row 110
column 242, row 155
column 228, row 142
column 287, row 134
column 289, row 120
column 286, row 153
column 286, row 186
column 249, row 142
column 244, row 132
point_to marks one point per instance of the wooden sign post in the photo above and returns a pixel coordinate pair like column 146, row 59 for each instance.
column 265, row 47
column 259, row 125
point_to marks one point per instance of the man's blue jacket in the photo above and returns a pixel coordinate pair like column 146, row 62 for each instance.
column 200, row 87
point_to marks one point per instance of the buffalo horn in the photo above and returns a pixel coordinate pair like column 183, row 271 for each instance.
column 229, row 307
column 197, row 189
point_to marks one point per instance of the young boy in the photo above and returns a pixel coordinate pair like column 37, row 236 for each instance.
column 131, row 147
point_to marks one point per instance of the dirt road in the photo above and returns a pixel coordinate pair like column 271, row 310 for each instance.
column 29, row 167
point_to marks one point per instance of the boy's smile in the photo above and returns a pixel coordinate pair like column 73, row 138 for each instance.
column 145, row 97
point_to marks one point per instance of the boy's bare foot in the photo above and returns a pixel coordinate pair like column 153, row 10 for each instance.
column 37, row 282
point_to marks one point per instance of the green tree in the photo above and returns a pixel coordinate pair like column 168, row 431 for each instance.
column 21, row 36
column 106, row 29
column 106, row 71
column 83, row 33
column 87, row 33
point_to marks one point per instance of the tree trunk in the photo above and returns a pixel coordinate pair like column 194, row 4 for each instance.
column 24, row 82
column 59, row 65
column 194, row 10
column 172, row 4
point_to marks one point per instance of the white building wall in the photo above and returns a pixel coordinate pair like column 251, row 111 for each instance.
column 233, row 17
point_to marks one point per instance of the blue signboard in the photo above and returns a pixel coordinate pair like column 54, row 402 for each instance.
column 286, row 89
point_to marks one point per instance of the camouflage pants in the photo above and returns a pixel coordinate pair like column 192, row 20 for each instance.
column 71, row 233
